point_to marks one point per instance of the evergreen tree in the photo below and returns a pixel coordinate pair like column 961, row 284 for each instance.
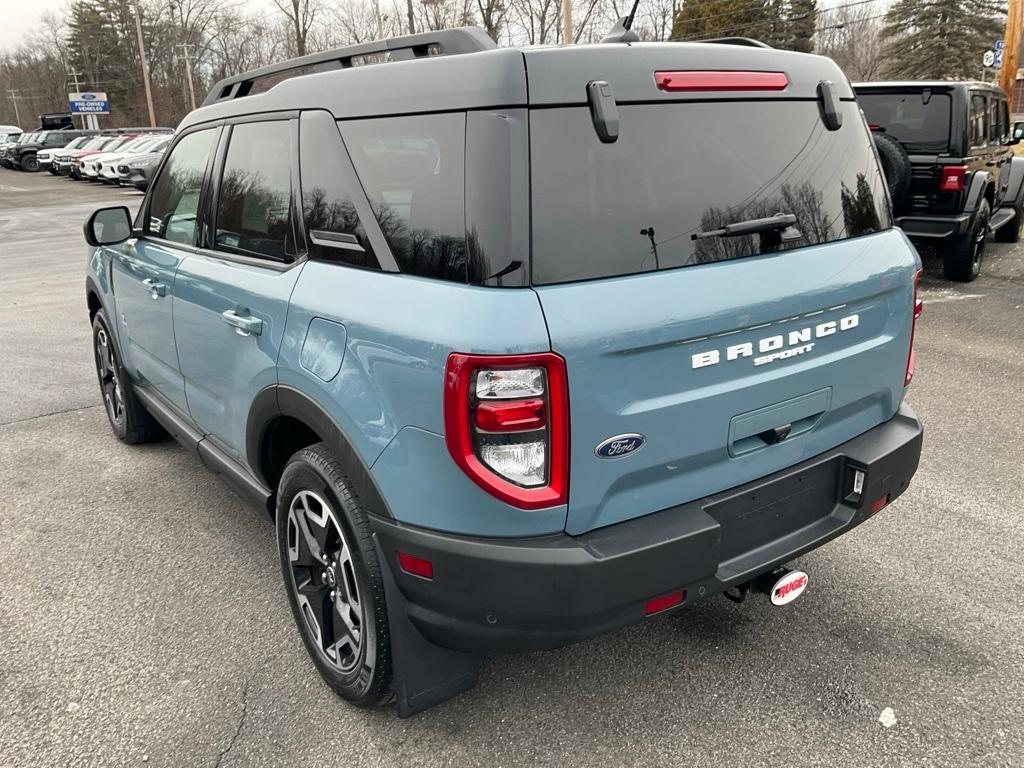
column 939, row 39
column 802, row 18
column 701, row 19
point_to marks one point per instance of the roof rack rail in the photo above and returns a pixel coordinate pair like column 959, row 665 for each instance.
column 443, row 42
column 747, row 41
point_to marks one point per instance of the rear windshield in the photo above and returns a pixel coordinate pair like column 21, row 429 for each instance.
column 676, row 171
column 919, row 121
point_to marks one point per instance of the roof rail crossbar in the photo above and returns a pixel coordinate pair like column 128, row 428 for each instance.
column 443, row 42
column 747, row 41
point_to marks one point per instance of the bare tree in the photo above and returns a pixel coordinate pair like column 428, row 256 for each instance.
column 301, row 15
column 852, row 37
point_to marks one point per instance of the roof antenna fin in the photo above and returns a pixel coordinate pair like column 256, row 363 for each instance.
column 622, row 31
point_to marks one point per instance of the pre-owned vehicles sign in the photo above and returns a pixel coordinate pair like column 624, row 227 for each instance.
column 89, row 102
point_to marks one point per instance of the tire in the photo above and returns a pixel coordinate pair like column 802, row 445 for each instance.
column 1010, row 231
column 129, row 419
column 317, row 510
column 962, row 256
column 30, row 163
column 895, row 165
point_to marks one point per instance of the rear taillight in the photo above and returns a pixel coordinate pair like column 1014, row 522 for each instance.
column 714, row 80
column 918, row 309
column 953, row 178
column 507, row 425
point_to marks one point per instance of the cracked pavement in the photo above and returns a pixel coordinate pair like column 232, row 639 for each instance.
column 143, row 621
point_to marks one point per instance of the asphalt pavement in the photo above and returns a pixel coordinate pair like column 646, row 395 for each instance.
column 143, row 620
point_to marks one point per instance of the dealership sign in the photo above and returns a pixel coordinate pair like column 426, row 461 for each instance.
column 89, row 103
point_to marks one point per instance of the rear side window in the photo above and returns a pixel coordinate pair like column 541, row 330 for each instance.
column 682, row 170
column 174, row 202
column 254, row 206
column 978, row 121
column 334, row 231
column 413, row 172
column 918, row 120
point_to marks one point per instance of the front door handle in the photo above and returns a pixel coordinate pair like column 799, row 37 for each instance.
column 243, row 325
column 156, row 288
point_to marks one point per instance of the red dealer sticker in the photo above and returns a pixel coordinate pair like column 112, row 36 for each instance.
column 789, row 588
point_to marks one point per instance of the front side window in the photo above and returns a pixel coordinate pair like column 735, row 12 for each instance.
column 413, row 172
column 174, row 204
column 254, row 208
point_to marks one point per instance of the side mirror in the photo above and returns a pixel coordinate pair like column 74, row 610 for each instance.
column 1018, row 133
column 108, row 226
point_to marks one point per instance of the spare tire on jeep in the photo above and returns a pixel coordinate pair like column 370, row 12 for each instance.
column 895, row 166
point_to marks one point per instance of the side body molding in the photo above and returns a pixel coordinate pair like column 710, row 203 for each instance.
column 280, row 400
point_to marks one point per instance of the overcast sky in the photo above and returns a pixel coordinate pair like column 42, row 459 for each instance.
column 21, row 16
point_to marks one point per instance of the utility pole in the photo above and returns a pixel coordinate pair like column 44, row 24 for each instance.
column 567, row 22
column 188, row 71
column 74, row 76
column 145, row 65
column 1011, row 50
column 14, row 97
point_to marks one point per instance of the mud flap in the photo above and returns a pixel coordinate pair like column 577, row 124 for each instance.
column 425, row 674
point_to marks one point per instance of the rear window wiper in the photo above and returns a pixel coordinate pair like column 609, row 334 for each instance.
column 771, row 224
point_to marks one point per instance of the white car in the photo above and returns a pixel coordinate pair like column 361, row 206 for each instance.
column 46, row 157
column 91, row 167
column 110, row 168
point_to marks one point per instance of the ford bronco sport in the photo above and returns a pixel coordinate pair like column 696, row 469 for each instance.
column 518, row 346
column 947, row 151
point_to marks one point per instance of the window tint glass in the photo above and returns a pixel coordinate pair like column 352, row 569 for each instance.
column 994, row 128
column 917, row 125
column 1004, row 120
column 254, row 209
column 333, row 229
column 412, row 169
column 636, row 205
column 977, row 120
column 175, row 199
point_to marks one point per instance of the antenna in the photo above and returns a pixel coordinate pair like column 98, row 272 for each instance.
column 622, row 31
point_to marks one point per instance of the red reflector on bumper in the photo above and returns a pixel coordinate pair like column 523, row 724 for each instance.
column 663, row 603
column 878, row 503
column 693, row 80
column 416, row 566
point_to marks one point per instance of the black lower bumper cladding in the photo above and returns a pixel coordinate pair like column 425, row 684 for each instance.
column 490, row 596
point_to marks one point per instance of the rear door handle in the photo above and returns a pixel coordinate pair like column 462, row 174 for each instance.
column 156, row 288
column 243, row 325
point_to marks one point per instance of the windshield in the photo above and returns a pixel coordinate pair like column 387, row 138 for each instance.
column 96, row 143
column 677, row 171
column 117, row 144
column 918, row 124
column 76, row 143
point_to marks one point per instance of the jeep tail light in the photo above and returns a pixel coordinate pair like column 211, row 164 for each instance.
column 953, row 178
column 715, row 80
column 918, row 309
column 507, row 425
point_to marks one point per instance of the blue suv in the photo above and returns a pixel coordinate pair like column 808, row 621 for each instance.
column 518, row 346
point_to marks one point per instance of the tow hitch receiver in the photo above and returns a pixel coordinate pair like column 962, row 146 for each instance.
column 781, row 585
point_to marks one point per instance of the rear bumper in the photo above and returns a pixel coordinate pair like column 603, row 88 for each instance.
column 935, row 227
column 492, row 596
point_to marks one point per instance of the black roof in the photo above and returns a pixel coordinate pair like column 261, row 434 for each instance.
column 478, row 75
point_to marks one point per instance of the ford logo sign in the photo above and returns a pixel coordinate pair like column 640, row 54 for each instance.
column 88, row 96
column 619, row 446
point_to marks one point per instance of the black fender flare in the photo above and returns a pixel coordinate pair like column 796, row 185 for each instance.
column 281, row 400
column 980, row 181
column 1013, row 187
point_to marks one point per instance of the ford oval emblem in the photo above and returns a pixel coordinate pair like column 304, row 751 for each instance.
column 620, row 446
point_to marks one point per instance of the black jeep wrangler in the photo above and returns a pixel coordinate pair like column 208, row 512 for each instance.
column 947, row 152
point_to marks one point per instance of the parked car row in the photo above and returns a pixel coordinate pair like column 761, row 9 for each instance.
column 125, row 156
